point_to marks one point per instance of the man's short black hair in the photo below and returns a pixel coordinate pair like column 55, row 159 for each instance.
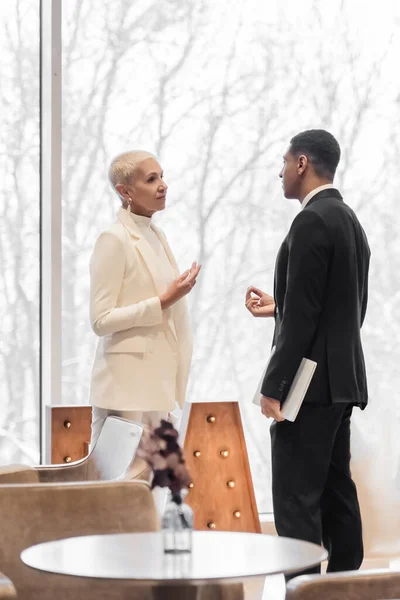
column 321, row 149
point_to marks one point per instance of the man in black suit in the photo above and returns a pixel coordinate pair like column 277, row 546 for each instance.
column 319, row 304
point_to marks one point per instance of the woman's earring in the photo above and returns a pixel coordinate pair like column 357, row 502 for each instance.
column 129, row 204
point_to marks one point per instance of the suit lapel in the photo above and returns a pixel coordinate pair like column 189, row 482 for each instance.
column 171, row 258
column 165, row 245
column 150, row 258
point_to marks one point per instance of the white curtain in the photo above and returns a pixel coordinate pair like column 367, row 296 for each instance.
column 376, row 470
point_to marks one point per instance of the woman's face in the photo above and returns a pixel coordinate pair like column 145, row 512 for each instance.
column 148, row 190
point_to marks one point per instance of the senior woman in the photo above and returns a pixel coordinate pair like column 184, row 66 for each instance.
column 137, row 304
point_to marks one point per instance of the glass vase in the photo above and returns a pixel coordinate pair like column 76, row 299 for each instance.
column 177, row 527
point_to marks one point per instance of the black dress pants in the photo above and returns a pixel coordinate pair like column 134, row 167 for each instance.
column 314, row 496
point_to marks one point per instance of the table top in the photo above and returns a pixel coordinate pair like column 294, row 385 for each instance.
column 215, row 556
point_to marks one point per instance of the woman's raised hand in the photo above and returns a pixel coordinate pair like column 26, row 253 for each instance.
column 180, row 287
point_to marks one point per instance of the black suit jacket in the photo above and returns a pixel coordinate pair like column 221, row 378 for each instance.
column 321, row 291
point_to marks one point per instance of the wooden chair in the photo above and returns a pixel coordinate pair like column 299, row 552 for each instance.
column 112, row 458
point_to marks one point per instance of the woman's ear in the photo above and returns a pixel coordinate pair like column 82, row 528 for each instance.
column 122, row 191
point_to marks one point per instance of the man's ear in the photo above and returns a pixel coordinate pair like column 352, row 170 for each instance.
column 302, row 163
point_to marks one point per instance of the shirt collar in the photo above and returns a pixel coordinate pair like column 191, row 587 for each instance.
column 306, row 200
column 140, row 220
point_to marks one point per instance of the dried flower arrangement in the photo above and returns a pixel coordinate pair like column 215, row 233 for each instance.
column 161, row 450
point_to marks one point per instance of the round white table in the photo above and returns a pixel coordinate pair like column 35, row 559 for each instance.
column 216, row 557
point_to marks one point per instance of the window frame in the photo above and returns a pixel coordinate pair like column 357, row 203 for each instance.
column 50, row 216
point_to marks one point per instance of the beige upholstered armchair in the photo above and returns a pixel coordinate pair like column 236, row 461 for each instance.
column 7, row 590
column 351, row 585
column 32, row 513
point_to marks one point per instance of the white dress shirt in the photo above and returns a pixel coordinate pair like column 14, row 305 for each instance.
column 306, row 200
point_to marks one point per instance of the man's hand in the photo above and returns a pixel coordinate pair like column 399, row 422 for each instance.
column 271, row 408
column 260, row 305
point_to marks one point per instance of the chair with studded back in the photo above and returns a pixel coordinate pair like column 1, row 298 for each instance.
column 112, row 458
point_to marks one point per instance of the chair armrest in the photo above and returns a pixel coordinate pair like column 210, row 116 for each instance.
column 7, row 590
column 18, row 474
column 358, row 585
column 75, row 471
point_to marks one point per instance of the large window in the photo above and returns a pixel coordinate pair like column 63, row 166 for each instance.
column 217, row 89
column 19, row 231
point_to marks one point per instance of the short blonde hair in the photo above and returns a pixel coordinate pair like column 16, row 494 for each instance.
column 122, row 168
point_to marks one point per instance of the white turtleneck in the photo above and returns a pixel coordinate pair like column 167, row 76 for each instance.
column 144, row 224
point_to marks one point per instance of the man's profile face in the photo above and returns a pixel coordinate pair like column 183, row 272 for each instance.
column 289, row 175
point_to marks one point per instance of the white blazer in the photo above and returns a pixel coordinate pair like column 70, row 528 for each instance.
column 143, row 357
